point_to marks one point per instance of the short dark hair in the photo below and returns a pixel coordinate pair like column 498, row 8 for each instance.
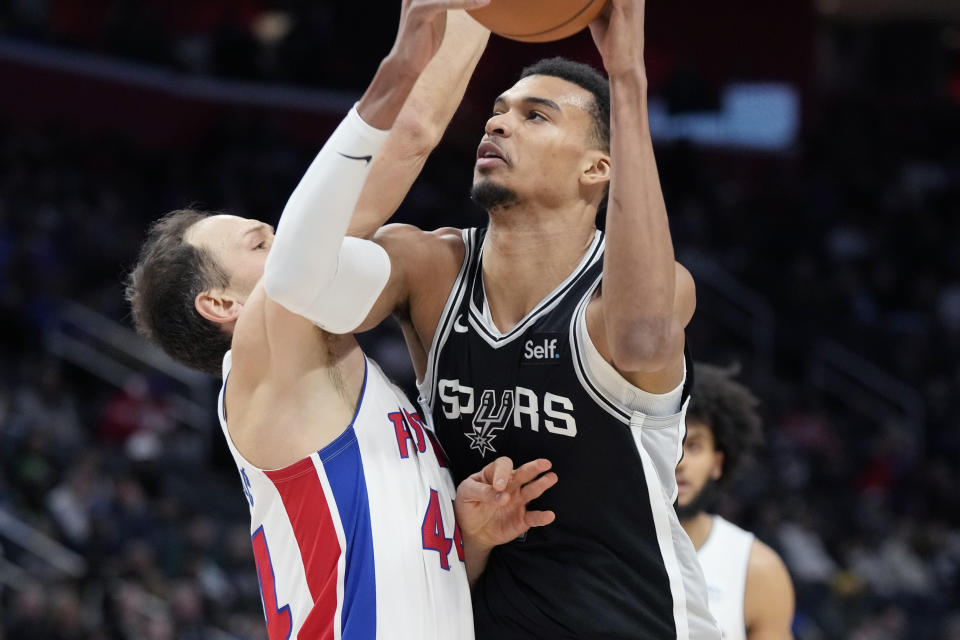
column 161, row 290
column 586, row 77
column 729, row 410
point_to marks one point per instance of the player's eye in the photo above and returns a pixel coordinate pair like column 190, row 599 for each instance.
column 536, row 115
column 262, row 245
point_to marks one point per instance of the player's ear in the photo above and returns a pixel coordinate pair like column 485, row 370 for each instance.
column 217, row 306
column 596, row 169
column 717, row 470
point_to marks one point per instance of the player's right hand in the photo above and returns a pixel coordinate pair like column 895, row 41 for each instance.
column 491, row 504
column 422, row 25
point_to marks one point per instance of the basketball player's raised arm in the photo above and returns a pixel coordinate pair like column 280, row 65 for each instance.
column 363, row 267
column 420, row 124
column 647, row 299
column 313, row 276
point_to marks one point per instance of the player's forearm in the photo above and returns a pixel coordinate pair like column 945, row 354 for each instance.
column 309, row 264
column 638, row 271
column 308, row 261
column 420, row 124
column 389, row 89
column 441, row 86
column 316, row 217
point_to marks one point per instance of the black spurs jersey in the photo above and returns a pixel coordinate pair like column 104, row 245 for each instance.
column 615, row 563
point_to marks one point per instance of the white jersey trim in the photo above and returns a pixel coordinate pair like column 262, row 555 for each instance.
column 341, row 539
column 222, row 413
column 692, row 617
column 427, row 387
column 610, row 390
column 661, row 521
column 483, row 324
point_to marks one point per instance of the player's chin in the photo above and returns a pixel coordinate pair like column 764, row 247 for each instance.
column 485, row 172
column 491, row 193
column 489, row 180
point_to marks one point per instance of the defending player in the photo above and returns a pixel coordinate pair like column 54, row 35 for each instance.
column 521, row 351
column 352, row 513
column 749, row 588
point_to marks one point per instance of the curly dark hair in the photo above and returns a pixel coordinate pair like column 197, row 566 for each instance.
column 729, row 409
column 161, row 290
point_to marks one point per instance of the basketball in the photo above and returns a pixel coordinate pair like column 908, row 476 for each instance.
column 537, row 20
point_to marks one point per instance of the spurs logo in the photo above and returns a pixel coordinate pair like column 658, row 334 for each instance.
column 530, row 410
column 489, row 420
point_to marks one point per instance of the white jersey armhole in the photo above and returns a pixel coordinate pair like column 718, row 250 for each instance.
column 607, row 381
column 656, row 420
column 448, row 320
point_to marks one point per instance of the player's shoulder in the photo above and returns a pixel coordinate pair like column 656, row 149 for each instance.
column 400, row 232
column 769, row 599
column 763, row 557
column 408, row 242
column 765, row 567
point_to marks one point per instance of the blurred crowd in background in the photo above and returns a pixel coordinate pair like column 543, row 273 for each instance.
column 850, row 236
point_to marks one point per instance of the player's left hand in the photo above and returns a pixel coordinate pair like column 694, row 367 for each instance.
column 491, row 505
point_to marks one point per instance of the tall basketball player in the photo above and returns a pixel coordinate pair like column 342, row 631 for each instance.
column 352, row 510
column 749, row 588
column 540, row 336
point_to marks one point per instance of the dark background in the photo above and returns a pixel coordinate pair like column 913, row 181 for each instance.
column 828, row 269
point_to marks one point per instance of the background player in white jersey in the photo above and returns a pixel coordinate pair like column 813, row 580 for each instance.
column 352, row 513
column 750, row 591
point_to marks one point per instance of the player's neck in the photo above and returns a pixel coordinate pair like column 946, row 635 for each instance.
column 523, row 261
column 698, row 528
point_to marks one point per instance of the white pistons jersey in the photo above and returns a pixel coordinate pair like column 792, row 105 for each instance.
column 358, row 541
column 724, row 558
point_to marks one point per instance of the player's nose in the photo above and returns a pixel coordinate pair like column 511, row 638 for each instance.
column 498, row 125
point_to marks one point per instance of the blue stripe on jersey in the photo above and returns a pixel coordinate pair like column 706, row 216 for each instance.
column 344, row 467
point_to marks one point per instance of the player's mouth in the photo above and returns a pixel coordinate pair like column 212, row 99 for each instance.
column 489, row 155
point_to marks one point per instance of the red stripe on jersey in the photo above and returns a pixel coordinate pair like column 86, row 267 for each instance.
column 306, row 505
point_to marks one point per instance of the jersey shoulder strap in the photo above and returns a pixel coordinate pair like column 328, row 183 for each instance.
column 449, row 317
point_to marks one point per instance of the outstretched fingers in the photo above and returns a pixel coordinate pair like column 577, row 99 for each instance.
column 539, row 518
column 530, row 470
column 535, row 489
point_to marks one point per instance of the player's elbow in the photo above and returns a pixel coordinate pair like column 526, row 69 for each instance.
column 646, row 344
column 421, row 135
column 283, row 282
column 283, row 293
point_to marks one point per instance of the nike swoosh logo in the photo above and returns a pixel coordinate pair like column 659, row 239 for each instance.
column 366, row 159
column 458, row 325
